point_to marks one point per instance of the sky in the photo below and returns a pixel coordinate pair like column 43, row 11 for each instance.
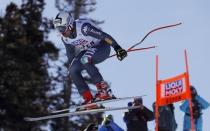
column 128, row 22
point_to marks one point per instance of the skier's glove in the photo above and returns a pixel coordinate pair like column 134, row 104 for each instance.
column 121, row 53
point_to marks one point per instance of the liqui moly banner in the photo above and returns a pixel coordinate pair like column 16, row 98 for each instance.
column 173, row 89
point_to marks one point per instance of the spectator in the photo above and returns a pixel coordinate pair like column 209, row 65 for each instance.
column 91, row 127
column 108, row 124
column 198, row 104
column 136, row 119
column 166, row 118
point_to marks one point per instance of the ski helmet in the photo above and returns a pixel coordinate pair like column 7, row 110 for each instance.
column 62, row 21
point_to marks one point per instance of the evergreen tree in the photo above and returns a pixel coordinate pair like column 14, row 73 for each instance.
column 26, row 87
column 24, row 80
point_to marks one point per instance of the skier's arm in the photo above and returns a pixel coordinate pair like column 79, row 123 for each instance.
column 70, row 51
column 90, row 30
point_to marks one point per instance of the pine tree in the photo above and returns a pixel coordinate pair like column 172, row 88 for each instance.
column 24, row 80
column 25, row 83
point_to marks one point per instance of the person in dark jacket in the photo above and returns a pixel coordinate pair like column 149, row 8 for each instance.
column 166, row 119
column 136, row 119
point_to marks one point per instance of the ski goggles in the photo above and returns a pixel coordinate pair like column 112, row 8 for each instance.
column 62, row 29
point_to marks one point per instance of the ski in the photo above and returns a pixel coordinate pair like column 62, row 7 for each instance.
column 78, row 113
column 98, row 102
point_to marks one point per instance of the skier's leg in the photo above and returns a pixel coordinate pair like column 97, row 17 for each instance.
column 89, row 59
column 83, row 89
column 90, row 67
column 94, row 56
column 75, row 73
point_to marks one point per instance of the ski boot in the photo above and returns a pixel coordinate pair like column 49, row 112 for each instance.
column 103, row 92
column 88, row 102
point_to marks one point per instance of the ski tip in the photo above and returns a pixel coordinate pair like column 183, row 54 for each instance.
column 27, row 119
column 52, row 110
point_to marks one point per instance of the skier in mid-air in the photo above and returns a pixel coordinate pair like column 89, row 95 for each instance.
column 86, row 45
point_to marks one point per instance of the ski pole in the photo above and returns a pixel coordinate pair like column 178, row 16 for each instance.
column 136, row 49
column 145, row 48
column 149, row 33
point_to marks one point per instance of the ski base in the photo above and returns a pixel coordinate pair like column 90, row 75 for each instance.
column 78, row 113
column 98, row 103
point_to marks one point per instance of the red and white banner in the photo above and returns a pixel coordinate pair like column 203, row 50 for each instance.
column 173, row 89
